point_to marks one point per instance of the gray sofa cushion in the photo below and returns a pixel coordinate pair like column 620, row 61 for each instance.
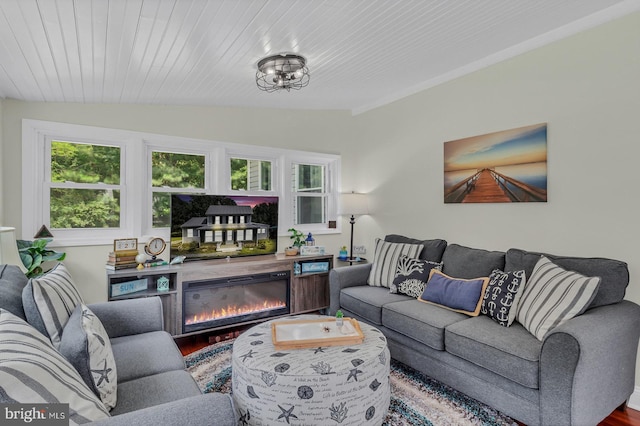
column 144, row 355
column 420, row 321
column 614, row 274
column 511, row 352
column 12, row 281
column 464, row 262
column 367, row 301
column 432, row 250
column 154, row 390
column 210, row 408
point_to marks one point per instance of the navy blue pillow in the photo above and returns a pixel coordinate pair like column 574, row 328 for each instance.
column 501, row 298
column 456, row 294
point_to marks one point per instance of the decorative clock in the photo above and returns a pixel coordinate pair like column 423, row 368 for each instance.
column 155, row 247
column 125, row 244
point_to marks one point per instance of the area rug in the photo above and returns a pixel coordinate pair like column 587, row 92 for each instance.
column 416, row 399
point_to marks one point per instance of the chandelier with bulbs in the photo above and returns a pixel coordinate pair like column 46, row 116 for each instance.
column 284, row 71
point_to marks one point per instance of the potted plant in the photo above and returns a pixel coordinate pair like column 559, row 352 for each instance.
column 298, row 241
column 34, row 253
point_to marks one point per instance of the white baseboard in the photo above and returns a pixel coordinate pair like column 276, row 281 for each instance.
column 634, row 400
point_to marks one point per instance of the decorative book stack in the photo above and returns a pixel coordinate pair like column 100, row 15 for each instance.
column 122, row 259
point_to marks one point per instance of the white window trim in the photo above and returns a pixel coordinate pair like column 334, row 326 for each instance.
column 35, row 135
column 136, row 185
column 260, row 153
column 332, row 167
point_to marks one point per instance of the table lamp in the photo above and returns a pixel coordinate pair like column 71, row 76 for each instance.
column 353, row 204
column 9, row 249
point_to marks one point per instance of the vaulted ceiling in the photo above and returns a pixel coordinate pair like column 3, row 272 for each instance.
column 361, row 53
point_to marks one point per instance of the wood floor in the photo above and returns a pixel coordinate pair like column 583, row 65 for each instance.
column 188, row 345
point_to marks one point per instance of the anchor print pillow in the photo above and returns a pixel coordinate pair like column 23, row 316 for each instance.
column 85, row 343
column 502, row 296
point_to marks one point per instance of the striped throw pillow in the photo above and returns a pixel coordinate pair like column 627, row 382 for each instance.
column 385, row 261
column 49, row 301
column 32, row 371
column 553, row 296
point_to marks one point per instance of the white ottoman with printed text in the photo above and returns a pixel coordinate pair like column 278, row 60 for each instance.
column 336, row 385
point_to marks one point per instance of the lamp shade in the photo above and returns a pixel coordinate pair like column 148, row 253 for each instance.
column 8, row 248
column 354, row 204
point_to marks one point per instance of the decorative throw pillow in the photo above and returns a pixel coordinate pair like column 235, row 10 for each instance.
column 385, row 259
column 553, row 296
column 501, row 298
column 412, row 275
column 456, row 294
column 49, row 300
column 34, row 372
column 85, row 343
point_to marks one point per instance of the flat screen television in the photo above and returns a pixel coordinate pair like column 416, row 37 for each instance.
column 221, row 226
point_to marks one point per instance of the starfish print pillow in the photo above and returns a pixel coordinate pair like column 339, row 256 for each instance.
column 85, row 343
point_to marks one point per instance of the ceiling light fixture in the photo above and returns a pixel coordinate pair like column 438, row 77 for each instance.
column 282, row 71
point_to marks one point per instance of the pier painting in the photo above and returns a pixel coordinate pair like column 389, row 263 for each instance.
column 501, row 167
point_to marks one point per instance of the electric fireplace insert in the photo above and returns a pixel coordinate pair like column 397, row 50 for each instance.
column 209, row 304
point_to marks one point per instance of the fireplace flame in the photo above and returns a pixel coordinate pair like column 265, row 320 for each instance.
column 234, row 311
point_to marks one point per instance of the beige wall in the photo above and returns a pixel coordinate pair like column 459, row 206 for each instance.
column 586, row 88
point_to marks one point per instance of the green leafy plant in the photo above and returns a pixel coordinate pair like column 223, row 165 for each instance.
column 34, row 253
column 297, row 237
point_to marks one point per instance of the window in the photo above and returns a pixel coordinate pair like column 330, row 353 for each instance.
column 173, row 172
column 84, row 185
column 309, row 189
column 92, row 185
column 250, row 175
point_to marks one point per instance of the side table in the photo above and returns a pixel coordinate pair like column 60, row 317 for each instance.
column 352, row 260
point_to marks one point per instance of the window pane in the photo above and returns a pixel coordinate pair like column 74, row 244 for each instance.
column 254, row 175
column 310, row 210
column 308, row 178
column 84, row 163
column 173, row 170
column 265, row 175
column 84, row 208
column 161, row 209
column 239, row 173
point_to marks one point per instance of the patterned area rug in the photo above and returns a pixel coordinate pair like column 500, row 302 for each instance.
column 416, row 399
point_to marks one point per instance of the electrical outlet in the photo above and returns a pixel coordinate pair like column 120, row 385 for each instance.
column 359, row 250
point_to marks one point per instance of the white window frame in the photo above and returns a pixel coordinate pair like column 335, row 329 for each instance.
column 332, row 170
column 258, row 153
column 136, row 190
column 36, row 177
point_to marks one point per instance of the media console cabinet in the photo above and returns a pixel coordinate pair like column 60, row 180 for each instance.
column 308, row 278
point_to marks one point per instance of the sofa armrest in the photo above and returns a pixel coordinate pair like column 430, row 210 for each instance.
column 346, row 276
column 587, row 365
column 211, row 408
column 130, row 316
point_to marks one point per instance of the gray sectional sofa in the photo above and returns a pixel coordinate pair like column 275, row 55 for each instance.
column 153, row 387
column 577, row 375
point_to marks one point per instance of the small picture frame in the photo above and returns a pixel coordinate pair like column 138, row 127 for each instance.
column 125, row 244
